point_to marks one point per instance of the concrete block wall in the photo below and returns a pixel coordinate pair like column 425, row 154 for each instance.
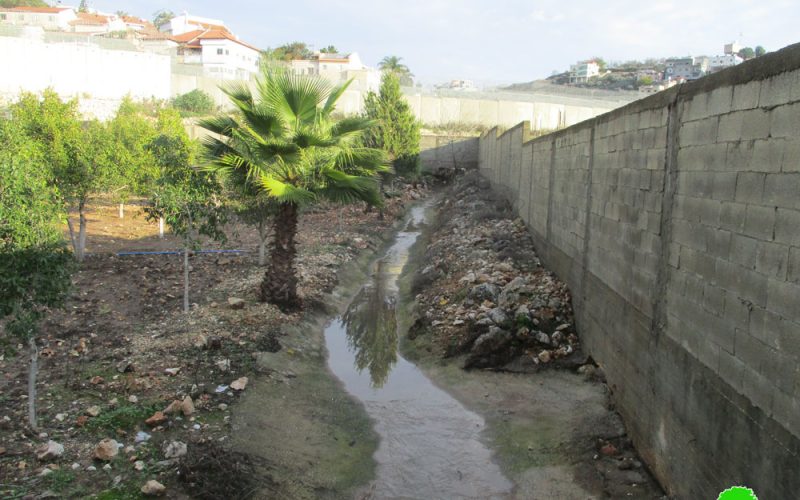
column 676, row 222
column 448, row 152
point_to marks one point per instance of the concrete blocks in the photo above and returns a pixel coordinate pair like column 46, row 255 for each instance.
column 719, row 296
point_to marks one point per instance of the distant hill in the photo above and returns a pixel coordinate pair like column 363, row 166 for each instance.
column 556, row 85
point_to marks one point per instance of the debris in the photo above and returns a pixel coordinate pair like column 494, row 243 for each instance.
column 153, row 488
column 106, row 450
column 172, row 371
column 236, row 303
column 175, row 449
column 142, row 437
column 157, row 419
column 187, row 406
column 239, row 384
column 93, row 411
column 49, row 451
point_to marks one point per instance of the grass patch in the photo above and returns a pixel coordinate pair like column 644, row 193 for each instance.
column 123, row 417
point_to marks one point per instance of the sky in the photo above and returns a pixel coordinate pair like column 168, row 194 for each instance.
column 496, row 41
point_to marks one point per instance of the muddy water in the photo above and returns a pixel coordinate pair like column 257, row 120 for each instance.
column 431, row 444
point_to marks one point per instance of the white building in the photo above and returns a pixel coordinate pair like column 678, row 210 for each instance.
column 689, row 68
column 48, row 18
column 338, row 68
column 97, row 24
column 221, row 54
column 582, row 71
column 732, row 48
column 717, row 63
column 185, row 23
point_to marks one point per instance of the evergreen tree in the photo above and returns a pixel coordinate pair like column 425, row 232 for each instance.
column 83, row 7
column 396, row 129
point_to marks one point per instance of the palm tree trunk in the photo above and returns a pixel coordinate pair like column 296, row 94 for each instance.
column 279, row 286
column 263, row 234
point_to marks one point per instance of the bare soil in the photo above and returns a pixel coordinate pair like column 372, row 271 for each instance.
column 122, row 349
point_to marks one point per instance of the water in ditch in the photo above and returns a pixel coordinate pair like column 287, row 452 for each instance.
column 430, row 444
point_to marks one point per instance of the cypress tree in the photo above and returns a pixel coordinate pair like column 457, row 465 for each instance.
column 396, row 129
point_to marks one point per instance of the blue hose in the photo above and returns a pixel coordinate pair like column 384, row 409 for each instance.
column 179, row 252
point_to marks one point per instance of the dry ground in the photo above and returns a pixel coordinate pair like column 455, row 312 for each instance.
column 106, row 354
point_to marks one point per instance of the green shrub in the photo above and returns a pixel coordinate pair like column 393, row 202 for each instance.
column 195, row 102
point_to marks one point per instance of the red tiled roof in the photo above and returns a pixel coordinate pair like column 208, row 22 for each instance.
column 136, row 20
column 35, row 10
column 86, row 19
column 192, row 39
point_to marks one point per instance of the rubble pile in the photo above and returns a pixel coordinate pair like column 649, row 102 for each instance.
column 483, row 293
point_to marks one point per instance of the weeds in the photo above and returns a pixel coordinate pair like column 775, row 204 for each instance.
column 124, row 417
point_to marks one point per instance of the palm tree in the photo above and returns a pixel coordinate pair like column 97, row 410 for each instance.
column 393, row 65
column 284, row 141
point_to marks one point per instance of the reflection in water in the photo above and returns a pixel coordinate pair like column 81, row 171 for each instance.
column 371, row 326
column 430, row 444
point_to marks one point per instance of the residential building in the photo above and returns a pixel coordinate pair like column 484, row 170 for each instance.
column 721, row 62
column 460, row 85
column 185, row 23
column 339, row 68
column 690, row 68
column 582, row 71
column 645, row 90
column 220, row 53
column 732, row 48
column 97, row 24
column 48, row 18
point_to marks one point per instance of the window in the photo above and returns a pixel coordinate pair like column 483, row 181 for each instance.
column 2, row 17
column 227, row 52
column 219, row 52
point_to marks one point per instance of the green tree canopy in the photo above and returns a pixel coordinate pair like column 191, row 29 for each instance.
column 23, row 3
column 284, row 140
column 395, row 129
column 330, row 49
column 131, row 132
column 760, row 51
column 78, row 155
column 162, row 16
column 34, row 263
column 289, row 52
column 187, row 197
column 747, row 53
column 193, row 103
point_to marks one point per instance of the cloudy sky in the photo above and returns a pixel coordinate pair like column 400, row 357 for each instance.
column 497, row 41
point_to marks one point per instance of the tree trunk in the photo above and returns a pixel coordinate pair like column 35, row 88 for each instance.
column 32, row 374
column 186, row 278
column 279, row 285
column 381, row 184
column 263, row 234
column 81, row 232
column 72, row 236
column 161, row 227
column 121, row 210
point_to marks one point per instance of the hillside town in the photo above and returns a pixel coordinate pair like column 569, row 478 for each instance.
column 654, row 75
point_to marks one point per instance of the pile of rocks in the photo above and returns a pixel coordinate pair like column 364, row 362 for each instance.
column 483, row 292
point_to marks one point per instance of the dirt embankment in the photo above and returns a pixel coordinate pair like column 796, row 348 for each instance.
column 131, row 390
column 482, row 302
